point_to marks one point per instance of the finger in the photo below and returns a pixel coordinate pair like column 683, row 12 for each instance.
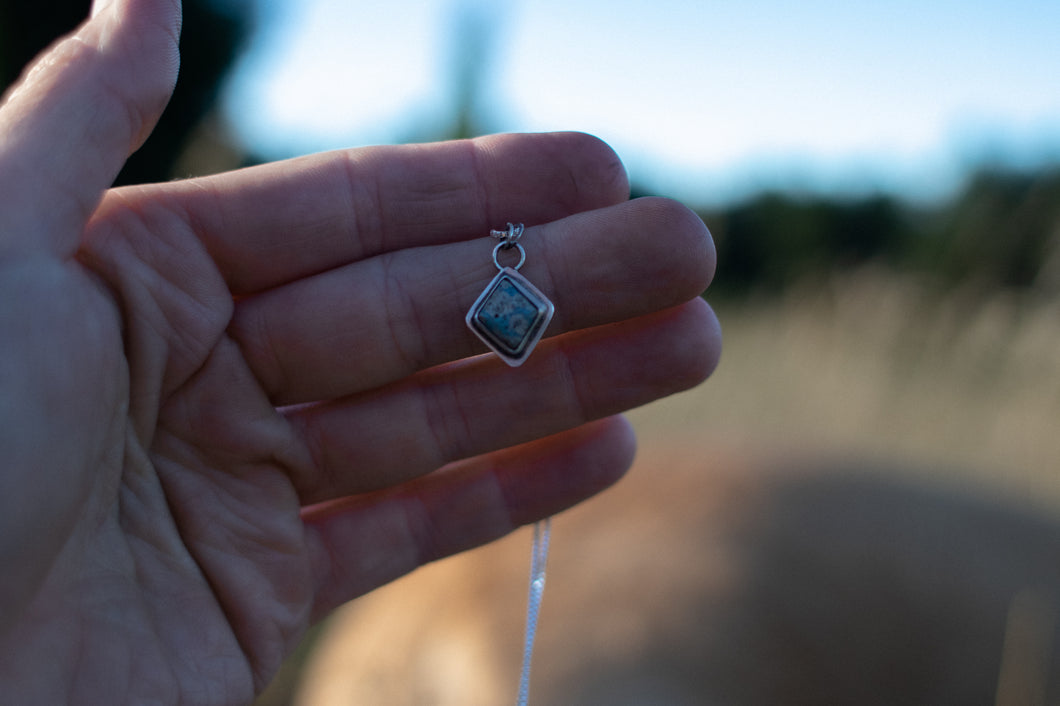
column 365, row 541
column 277, row 223
column 481, row 405
column 77, row 115
column 377, row 321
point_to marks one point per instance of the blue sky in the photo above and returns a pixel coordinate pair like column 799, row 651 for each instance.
column 704, row 99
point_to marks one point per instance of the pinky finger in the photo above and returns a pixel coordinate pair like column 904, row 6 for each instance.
column 365, row 541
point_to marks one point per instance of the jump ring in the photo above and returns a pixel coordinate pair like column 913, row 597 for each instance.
column 504, row 245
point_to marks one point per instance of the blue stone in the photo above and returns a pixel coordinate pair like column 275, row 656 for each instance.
column 508, row 316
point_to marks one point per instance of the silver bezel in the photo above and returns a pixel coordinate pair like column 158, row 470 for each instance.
column 545, row 309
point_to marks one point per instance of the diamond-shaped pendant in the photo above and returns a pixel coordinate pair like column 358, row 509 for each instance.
column 510, row 316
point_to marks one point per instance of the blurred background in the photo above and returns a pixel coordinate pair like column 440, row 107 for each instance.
column 863, row 504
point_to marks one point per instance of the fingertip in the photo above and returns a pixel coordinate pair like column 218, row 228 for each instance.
column 636, row 258
column 78, row 113
column 599, row 170
column 686, row 237
column 712, row 340
column 573, row 171
column 144, row 35
column 615, row 435
column 99, row 6
column 696, row 351
column 571, row 467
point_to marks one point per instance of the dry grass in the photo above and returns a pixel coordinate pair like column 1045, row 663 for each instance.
column 656, row 581
column 870, row 366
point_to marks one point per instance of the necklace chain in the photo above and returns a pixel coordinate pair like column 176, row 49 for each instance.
column 538, row 560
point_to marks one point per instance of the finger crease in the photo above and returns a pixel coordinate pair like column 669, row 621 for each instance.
column 422, row 529
column 570, row 382
column 360, row 189
column 438, row 401
column 402, row 314
column 479, row 180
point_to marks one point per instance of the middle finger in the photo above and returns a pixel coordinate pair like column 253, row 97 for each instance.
column 380, row 320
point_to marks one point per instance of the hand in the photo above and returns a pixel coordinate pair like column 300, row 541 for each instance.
column 232, row 403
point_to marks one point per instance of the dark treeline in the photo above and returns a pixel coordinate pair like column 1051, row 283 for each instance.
column 1001, row 230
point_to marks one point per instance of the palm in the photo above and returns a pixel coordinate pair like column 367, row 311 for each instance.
column 249, row 398
column 179, row 542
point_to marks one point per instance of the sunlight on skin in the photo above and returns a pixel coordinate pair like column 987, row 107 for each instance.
column 196, row 467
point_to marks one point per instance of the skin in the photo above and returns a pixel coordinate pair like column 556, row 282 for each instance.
column 231, row 404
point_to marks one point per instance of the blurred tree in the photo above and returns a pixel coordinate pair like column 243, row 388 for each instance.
column 469, row 54
column 213, row 33
column 773, row 240
column 471, row 50
column 1001, row 230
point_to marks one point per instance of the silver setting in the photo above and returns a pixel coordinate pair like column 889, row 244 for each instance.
column 511, row 314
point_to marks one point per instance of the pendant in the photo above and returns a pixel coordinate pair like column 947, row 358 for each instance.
column 511, row 314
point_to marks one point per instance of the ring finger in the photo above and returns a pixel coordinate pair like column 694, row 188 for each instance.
column 477, row 406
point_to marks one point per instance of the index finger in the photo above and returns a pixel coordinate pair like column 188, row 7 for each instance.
column 269, row 225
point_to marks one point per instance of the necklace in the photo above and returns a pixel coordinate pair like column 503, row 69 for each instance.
column 510, row 316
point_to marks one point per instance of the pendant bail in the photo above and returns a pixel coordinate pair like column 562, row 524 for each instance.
column 510, row 236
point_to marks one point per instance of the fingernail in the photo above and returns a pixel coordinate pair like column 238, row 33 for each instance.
column 99, row 6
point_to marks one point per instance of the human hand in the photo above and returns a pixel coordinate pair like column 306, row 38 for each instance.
column 232, row 403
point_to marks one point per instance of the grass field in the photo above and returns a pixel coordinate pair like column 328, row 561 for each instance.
column 965, row 388
column 866, row 371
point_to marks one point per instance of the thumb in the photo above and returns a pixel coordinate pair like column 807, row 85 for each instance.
column 99, row 5
column 77, row 115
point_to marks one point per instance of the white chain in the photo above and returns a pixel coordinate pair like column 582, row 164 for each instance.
column 538, row 559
